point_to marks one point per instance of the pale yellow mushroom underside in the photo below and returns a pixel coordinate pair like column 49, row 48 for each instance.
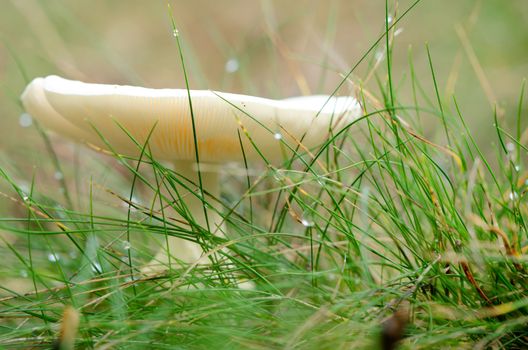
column 76, row 109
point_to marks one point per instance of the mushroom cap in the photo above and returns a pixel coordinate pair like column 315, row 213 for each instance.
column 76, row 109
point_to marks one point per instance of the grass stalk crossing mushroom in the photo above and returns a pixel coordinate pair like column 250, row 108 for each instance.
column 76, row 109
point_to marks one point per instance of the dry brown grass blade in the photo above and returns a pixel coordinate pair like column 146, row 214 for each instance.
column 37, row 212
column 68, row 330
column 508, row 247
column 473, row 282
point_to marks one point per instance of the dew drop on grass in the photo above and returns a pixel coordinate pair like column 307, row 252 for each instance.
column 126, row 245
column 513, row 196
column 307, row 223
column 25, row 120
column 278, row 175
column 277, row 136
column 232, row 65
column 379, row 55
column 200, row 196
column 60, row 210
column 25, row 198
column 175, row 33
column 307, row 219
column 24, row 187
column 53, row 257
column 96, row 267
column 510, row 147
column 390, row 19
column 398, row 31
column 517, row 167
column 130, row 279
column 130, row 205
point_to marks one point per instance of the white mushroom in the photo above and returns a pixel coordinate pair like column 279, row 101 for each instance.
column 76, row 109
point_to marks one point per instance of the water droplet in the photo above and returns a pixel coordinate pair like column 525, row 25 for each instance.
column 517, row 167
column 59, row 209
column 513, row 196
column 130, row 278
column 96, row 267
column 25, row 198
column 23, row 273
column 277, row 136
column 175, row 32
column 398, row 31
column 58, row 175
column 278, row 175
column 379, row 55
column 126, row 245
column 130, row 205
column 307, row 223
column 232, row 65
column 24, row 187
column 390, row 19
column 307, row 219
column 53, row 257
column 510, row 147
column 25, row 120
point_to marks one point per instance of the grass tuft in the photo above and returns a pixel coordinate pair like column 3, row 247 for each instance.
column 389, row 234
